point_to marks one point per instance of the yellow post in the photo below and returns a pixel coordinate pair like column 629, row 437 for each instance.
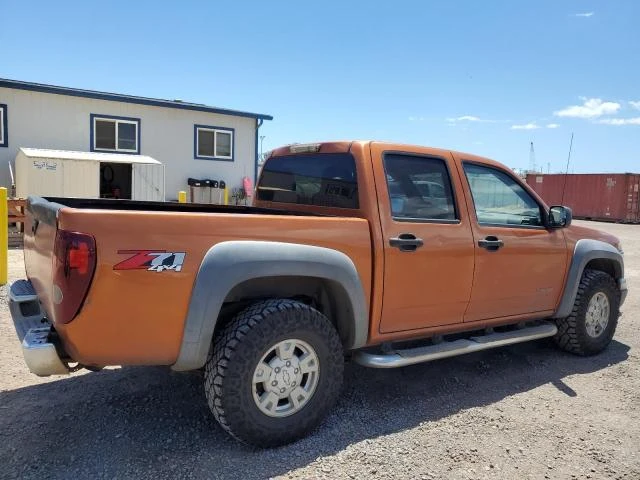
column 226, row 196
column 182, row 197
column 4, row 237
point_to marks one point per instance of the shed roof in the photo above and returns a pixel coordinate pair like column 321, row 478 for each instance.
column 118, row 97
column 89, row 156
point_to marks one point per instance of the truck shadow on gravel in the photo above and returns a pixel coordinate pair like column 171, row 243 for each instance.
column 149, row 422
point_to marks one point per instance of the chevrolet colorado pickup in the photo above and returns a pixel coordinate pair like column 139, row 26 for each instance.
column 382, row 253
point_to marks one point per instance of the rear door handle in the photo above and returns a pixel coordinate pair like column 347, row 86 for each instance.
column 406, row 242
column 491, row 243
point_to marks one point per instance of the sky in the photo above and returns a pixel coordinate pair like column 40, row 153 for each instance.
column 486, row 77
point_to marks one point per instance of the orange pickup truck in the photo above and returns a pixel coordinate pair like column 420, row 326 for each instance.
column 382, row 253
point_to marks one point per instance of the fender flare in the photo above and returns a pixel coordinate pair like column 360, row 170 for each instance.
column 584, row 252
column 228, row 264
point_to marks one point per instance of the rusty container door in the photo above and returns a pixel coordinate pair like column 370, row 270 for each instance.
column 633, row 198
column 599, row 196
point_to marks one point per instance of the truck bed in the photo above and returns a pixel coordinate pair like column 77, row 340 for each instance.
column 135, row 315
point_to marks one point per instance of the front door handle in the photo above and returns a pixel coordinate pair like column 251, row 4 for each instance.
column 491, row 243
column 406, row 242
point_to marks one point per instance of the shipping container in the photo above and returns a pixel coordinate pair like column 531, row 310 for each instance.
column 59, row 173
column 598, row 196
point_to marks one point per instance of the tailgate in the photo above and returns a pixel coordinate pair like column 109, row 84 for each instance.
column 39, row 240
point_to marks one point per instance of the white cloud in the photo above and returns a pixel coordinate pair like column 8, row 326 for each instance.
column 464, row 118
column 470, row 119
column 584, row 15
column 416, row 119
column 591, row 108
column 620, row 121
column 552, row 125
column 527, row 126
column 635, row 105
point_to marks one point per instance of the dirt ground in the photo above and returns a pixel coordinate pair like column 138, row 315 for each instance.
column 526, row 411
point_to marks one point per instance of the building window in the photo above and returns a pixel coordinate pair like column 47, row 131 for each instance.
column 115, row 134
column 213, row 143
column 4, row 136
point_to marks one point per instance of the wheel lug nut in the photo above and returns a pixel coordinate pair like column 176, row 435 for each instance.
column 296, row 370
column 293, row 384
column 274, row 383
column 282, row 390
column 277, row 369
column 288, row 364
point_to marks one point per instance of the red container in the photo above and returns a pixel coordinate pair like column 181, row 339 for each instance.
column 598, row 196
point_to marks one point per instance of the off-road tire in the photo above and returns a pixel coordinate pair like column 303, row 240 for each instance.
column 235, row 353
column 572, row 334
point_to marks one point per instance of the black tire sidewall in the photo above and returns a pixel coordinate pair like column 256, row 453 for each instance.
column 242, row 414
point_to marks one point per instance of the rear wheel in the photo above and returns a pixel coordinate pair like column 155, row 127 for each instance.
column 592, row 323
column 274, row 372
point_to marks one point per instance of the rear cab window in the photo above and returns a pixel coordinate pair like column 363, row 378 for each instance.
column 323, row 180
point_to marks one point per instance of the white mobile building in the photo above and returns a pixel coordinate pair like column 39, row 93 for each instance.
column 190, row 140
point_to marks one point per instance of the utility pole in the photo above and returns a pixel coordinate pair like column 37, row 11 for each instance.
column 532, row 159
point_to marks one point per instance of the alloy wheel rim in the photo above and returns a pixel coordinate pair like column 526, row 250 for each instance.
column 597, row 316
column 285, row 378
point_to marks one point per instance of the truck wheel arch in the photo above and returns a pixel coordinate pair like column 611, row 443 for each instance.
column 593, row 254
column 248, row 269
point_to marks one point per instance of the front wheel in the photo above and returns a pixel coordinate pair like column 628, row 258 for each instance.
column 274, row 372
column 592, row 323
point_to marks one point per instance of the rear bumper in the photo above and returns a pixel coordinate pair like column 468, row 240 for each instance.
column 34, row 331
column 622, row 285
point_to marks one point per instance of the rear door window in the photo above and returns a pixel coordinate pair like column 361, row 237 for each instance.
column 324, row 180
column 419, row 188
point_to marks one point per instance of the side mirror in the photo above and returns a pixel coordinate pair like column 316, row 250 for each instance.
column 560, row 217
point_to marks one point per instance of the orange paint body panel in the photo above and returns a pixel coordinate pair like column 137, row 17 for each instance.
column 137, row 316
column 600, row 196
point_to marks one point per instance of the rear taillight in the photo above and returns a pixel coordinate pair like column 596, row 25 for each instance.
column 74, row 262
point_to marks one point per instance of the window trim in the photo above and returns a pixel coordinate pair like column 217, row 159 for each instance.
column 211, row 128
column 543, row 215
column 94, row 117
column 454, row 193
column 4, row 130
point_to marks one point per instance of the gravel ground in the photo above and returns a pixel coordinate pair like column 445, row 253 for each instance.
column 526, row 411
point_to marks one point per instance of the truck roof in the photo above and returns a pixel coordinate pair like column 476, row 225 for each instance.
column 343, row 146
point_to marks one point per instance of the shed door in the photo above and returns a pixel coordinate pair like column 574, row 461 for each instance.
column 148, row 182
column 81, row 179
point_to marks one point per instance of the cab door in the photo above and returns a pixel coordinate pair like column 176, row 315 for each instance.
column 520, row 264
column 428, row 244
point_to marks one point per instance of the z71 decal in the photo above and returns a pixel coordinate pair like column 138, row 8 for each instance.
column 151, row 260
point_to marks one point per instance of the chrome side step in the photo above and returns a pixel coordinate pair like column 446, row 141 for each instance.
column 410, row 356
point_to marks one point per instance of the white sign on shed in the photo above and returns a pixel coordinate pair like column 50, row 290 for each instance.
column 59, row 173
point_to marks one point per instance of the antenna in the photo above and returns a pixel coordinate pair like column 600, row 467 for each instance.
column 566, row 173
